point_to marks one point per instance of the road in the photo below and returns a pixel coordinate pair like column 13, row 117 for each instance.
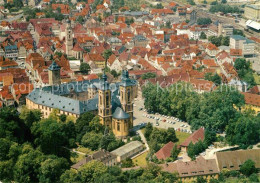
column 143, row 139
column 139, row 117
column 17, row 17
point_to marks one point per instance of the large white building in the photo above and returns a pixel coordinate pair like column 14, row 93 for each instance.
column 246, row 45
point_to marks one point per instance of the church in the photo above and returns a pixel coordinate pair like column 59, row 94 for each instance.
column 112, row 102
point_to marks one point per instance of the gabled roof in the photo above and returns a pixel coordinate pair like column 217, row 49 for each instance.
column 165, row 151
column 194, row 137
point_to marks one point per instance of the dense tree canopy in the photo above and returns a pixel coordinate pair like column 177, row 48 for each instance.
column 204, row 21
column 244, row 71
column 212, row 110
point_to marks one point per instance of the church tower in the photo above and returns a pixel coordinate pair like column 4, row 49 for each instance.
column 127, row 95
column 104, row 102
column 69, row 39
column 54, row 74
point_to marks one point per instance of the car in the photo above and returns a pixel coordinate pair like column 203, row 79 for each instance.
column 164, row 120
column 137, row 133
column 157, row 124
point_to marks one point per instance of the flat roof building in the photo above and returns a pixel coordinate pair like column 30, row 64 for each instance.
column 128, row 150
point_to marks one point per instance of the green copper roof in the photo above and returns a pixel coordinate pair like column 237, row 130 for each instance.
column 120, row 114
column 54, row 66
column 125, row 80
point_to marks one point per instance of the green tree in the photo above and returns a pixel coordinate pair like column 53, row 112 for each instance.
column 171, row 135
column 70, row 176
column 82, row 124
column 107, row 54
column 127, row 163
column 159, row 6
column 30, row 116
column 12, row 127
column 204, row 21
column 248, row 167
column 214, row 78
column 92, row 171
column 148, row 131
column 84, row 68
column 52, row 168
column 148, row 75
column 28, row 165
column 175, row 152
column 51, row 137
column 203, row 35
column 80, row 19
column 244, row 131
column 91, row 140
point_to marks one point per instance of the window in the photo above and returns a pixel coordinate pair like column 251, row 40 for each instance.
column 118, row 126
column 100, row 100
column 107, row 99
column 128, row 95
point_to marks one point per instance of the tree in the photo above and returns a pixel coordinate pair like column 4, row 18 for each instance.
column 248, row 168
column 30, row 116
column 214, row 78
column 92, row 171
column 203, row 35
column 70, row 176
column 51, row 137
column 204, row 21
column 244, row 131
column 91, row 140
column 84, row 68
column 127, row 163
column 28, row 165
column 170, row 135
column 244, row 71
column 223, row 1
column 148, row 131
column 80, row 19
column 12, row 127
column 52, row 168
column 148, row 75
column 82, row 124
column 107, row 54
column 175, row 152
column 159, row 6
column 238, row 32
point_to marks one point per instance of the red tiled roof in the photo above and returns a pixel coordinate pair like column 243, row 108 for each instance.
column 194, row 137
column 252, row 99
column 165, row 151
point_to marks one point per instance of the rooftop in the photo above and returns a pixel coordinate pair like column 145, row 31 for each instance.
column 127, row 148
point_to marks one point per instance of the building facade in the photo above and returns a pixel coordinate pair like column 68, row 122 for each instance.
column 114, row 108
column 252, row 12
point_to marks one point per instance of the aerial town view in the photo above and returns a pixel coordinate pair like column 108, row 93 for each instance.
column 129, row 91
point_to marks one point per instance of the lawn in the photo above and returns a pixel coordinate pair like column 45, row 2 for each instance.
column 181, row 136
column 140, row 160
column 84, row 150
column 75, row 157
column 257, row 79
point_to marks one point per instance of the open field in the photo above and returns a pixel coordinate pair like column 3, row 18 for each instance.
column 140, row 160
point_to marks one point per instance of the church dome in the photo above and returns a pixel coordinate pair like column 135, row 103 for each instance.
column 120, row 114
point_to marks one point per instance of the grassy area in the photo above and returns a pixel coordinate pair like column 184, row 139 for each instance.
column 84, row 150
column 257, row 79
column 182, row 136
column 140, row 160
column 75, row 157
